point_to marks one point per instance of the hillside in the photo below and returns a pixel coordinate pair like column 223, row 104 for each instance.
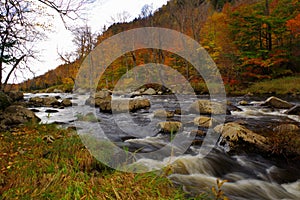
column 250, row 41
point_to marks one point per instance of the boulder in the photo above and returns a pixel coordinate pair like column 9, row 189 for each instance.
column 243, row 103
column 36, row 101
column 58, row 91
column 149, row 91
column 47, row 101
column 16, row 95
column 50, row 102
column 137, row 104
column 66, row 103
column 285, row 128
column 238, row 137
column 5, row 101
column 163, row 114
column 16, row 115
column 51, row 111
column 170, row 127
column 275, row 102
column 99, row 98
column 131, row 105
column 207, row 107
column 293, row 111
column 123, row 105
column 285, row 140
column 203, row 121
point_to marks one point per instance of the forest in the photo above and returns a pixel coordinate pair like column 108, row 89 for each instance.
column 250, row 41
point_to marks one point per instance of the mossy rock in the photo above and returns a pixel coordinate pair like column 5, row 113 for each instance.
column 5, row 101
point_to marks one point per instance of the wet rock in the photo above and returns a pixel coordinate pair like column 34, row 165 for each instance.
column 285, row 140
column 66, row 103
column 230, row 107
column 293, row 111
column 123, row 105
column 199, row 133
column 50, row 101
column 5, row 101
column 177, row 111
column 203, row 121
column 163, row 114
column 170, row 127
column 36, row 101
column 99, row 98
column 239, row 138
column 149, row 91
column 275, row 102
column 16, row 115
column 47, row 101
column 284, row 128
column 243, row 103
column 58, row 91
column 16, row 95
column 35, row 110
column 51, row 111
column 131, row 105
column 207, row 107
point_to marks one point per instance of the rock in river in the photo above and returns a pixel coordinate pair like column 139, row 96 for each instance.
column 170, row 127
column 66, row 103
column 275, row 102
column 99, row 98
column 163, row 114
column 293, row 111
column 207, row 107
column 238, row 137
column 47, row 101
column 203, row 121
column 123, row 105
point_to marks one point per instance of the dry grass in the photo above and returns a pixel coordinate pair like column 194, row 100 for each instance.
column 32, row 168
column 282, row 86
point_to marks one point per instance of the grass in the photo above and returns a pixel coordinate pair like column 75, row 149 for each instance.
column 281, row 86
column 32, row 168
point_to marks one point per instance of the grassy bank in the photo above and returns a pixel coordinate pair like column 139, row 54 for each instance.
column 281, row 86
column 43, row 162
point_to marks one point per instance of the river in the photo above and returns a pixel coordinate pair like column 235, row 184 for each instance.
column 249, row 176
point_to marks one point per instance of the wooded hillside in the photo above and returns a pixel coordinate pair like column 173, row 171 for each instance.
column 248, row 40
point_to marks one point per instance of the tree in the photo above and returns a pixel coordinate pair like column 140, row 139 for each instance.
column 84, row 41
column 22, row 24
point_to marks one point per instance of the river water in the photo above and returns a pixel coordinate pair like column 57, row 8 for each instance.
column 249, row 176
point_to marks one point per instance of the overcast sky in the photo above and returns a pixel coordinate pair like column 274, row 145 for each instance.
column 98, row 15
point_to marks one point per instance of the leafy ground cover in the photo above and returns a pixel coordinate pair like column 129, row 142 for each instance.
column 44, row 162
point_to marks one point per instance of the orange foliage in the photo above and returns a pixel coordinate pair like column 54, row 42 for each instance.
column 294, row 25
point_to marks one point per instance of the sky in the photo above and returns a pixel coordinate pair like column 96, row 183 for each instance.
column 97, row 14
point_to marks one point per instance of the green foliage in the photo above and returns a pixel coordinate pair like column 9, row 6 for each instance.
column 260, row 32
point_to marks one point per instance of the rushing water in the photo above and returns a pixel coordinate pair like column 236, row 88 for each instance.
column 249, row 176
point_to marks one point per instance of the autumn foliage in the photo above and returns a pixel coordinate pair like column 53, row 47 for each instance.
column 248, row 40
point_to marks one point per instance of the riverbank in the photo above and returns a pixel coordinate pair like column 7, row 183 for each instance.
column 44, row 162
column 281, row 86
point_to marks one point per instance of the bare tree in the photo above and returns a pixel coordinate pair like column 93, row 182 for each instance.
column 84, row 41
column 22, row 24
column 121, row 17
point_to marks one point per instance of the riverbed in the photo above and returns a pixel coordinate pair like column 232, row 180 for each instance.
column 249, row 176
